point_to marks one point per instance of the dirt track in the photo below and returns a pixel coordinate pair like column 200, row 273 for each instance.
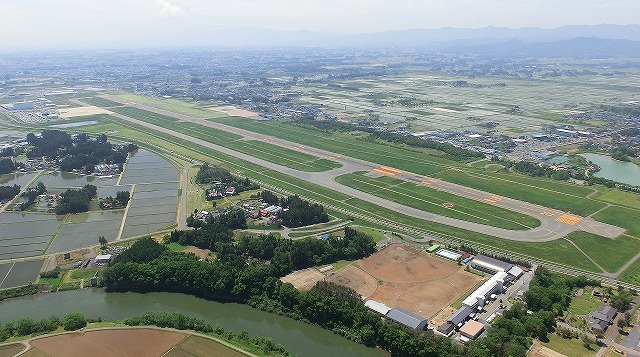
column 401, row 276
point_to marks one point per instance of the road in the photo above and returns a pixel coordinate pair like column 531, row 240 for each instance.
column 555, row 224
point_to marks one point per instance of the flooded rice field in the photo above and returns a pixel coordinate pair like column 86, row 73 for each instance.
column 151, row 180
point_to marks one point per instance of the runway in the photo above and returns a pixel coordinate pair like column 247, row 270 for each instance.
column 555, row 224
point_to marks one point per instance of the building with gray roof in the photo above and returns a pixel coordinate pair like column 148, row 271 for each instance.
column 407, row 318
column 489, row 265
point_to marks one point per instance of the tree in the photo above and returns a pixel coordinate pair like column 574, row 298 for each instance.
column 103, row 241
column 74, row 321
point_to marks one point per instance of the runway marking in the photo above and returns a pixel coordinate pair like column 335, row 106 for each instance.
column 493, row 199
column 569, row 219
column 389, row 171
column 547, row 213
column 424, row 183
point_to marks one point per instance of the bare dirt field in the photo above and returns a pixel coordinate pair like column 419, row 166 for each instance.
column 109, row 343
column 401, row 276
column 81, row 111
column 233, row 111
column 538, row 350
column 200, row 253
column 303, row 279
column 202, row 347
column 12, row 349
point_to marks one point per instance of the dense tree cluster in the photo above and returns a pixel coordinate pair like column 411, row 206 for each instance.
column 79, row 153
column 453, row 151
column 25, row 290
column 624, row 153
column 267, row 197
column 121, row 200
column 6, row 165
column 76, row 201
column 511, row 334
column 552, row 292
column 286, row 255
column 231, row 278
column 215, row 234
column 48, row 143
column 7, row 152
column 74, row 321
column 31, row 195
column 28, row 326
column 209, row 174
column 9, row 192
column 535, row 170
column 301, row 213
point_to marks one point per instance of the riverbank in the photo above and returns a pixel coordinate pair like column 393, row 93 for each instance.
column 297, row 337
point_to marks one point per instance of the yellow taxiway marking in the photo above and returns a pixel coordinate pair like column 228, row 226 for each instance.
column 547, row 213
column 493, row 199
column 569, row 219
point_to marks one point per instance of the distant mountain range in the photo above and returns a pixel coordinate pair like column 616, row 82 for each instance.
column 575, row 41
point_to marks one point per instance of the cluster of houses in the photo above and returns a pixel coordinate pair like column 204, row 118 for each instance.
column 219, row 190
column 106, row 169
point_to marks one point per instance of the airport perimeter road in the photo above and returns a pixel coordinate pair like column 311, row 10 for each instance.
column 555, row 224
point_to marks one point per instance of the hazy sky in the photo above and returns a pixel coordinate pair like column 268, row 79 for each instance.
column 115, row 23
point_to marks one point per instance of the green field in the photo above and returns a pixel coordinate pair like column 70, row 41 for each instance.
column 100, row 102
column 276, row 154
column 174, row 105
column 568, row 347
column 610, row 254
column 622, row 217
column 347, row 144
column 144, row 115
column 543, row 193
column 584, row 304
column 431, row 200
column 623, row 198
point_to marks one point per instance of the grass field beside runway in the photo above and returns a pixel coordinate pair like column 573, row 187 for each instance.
column 439, row 202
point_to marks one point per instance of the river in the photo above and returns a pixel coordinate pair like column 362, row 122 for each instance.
column 619, row 171
column 297, row 337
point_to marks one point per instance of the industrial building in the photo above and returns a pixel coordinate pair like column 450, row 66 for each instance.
column 472, row 329
column 489, row 265
column 407, row 318
column 378, row 307
column 103, row 260
column 484, row 293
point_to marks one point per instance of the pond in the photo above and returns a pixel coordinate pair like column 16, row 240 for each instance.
column 619, row 171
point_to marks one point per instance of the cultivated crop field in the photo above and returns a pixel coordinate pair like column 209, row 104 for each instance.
column 19, row 273
column 436, row 103
column 442, row 203
column 108, row 343
column 401, row 276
